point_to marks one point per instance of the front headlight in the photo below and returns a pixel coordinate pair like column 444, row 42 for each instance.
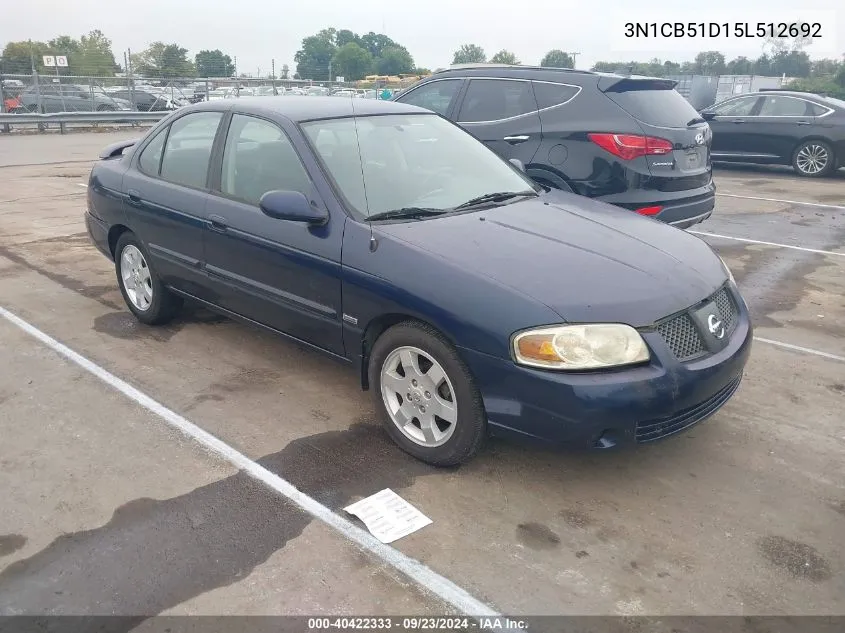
column 580, row 347
column 728, row 271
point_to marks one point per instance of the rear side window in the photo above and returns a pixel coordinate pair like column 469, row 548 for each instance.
column 150, row 159
column 496, row 99
column 661, row 108
column 549, row 95
column 436, row 96
column 785, row 106
column 188, row 149
column 818, row 110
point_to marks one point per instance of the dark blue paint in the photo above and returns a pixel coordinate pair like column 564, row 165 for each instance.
column 478, row 277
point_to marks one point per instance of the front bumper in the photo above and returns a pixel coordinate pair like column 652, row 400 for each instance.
column 611, row 408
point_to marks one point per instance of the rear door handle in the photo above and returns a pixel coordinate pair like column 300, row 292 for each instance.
column 513, row 140
column 134, row 197
column 803, row 122
column 739, row 120
column 218, row 223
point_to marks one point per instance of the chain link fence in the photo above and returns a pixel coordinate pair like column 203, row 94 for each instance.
column 51, row 92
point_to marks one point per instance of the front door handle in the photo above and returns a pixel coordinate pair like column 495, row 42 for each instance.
column 803, row 122
column 739, row 120
column 217, row 223
column 134, row 197
column 513, row 140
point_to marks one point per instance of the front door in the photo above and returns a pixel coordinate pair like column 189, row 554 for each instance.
column 731, row 127
column 503, row 114
column 282, row 274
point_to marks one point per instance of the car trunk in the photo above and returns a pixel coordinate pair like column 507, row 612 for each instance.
column 663, row 113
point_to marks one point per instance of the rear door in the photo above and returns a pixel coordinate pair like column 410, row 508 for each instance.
column 782, row 121
column 166, row 194
column 503, row 114
column 663, row 113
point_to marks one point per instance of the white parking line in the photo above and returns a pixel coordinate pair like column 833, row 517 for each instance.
column 81, row 184
column 425, row 577
column 809, row 204
column 798, row 348
column 745, row 239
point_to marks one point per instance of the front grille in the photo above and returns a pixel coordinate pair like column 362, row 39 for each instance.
column 726, row 307
column 651, row 430
column 682, row 337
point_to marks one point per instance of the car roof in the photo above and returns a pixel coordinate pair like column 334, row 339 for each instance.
column 304, row 108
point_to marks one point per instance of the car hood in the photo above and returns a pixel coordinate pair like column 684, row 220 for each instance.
column 586, row 260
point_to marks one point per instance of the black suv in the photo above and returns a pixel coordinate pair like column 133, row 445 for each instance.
column 780, row 127
column 631, row 141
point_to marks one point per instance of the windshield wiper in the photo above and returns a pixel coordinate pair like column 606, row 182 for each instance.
column 407, row 213
column 696, row 121
column 500, row 196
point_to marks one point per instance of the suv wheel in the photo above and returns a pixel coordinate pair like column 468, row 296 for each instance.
column 429, row 402
column 813, row 158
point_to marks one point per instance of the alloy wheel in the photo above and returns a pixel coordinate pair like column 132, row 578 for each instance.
column 812, row 158
column 135, row 274
column 419, row 396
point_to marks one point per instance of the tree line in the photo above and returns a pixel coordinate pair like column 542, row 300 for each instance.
column 92, row 55
column 332, row 53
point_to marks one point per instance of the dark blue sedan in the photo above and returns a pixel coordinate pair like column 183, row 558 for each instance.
column 470, row 300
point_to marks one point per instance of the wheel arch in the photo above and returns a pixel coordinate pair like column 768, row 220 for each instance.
column 379, row 325
column 552, row 178
column 815, row 137
column 114, row 235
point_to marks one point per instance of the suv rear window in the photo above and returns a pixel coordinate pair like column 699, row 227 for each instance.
column 662, row 108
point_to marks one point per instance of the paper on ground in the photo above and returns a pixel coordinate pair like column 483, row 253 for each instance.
column 388, row 516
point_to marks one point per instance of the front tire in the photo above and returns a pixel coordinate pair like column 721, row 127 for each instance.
column 142, row 290
column 427, row 398
column 813, row 159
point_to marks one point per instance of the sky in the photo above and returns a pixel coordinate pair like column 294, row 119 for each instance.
column 257, row 31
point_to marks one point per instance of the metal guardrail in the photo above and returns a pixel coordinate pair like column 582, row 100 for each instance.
column 64, row 118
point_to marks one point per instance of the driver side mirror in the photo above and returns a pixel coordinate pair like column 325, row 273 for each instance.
column 708, row 115
column 292, row 206
column 518, row 164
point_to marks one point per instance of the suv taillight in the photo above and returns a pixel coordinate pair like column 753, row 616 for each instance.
column 630, row 146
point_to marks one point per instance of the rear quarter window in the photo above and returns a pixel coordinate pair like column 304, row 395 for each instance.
column 549, row 95
column 662, row 108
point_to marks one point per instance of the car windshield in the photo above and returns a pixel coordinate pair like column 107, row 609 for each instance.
column 390, row 163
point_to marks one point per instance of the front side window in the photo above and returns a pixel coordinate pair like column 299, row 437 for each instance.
column 188, row 149
column 392, row 162
column 436, row 96
column 737, row 107
column 257, row 158
column 496, row 99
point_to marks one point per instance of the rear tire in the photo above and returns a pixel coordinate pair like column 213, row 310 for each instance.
column 142, row 290
column 813, row 159
column 426, row 396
